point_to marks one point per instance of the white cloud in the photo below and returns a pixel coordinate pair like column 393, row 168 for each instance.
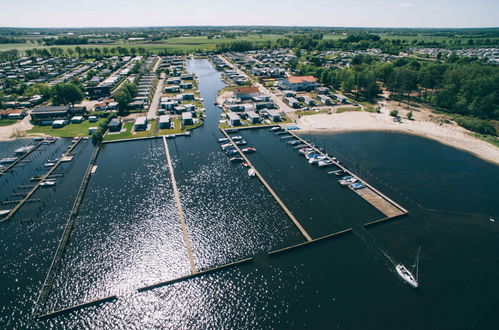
column 406, row 4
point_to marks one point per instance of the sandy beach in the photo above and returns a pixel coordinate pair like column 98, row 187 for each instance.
column 424, row 124
column 15, row 131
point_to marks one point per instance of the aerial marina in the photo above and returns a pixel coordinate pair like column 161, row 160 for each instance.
column 221, row 189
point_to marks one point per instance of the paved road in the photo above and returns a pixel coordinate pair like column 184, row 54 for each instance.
column 153, row 108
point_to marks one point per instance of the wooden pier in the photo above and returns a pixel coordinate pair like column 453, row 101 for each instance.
column 56, row 260
column 288, row 212
column 202, row 272
column 185, row 234
column 374, row 197
column 77, row 307
column 37, row 185
column 20, row 159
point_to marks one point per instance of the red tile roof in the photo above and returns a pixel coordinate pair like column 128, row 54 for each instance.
column 11, row 111
column 246, row 90
column 301, row 79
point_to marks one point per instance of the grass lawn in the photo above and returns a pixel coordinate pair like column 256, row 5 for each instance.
column 7, row 122
column 127, row 134
column 176, row 130
column 345, row 109
column 152, row 132
column 196, row 125
column 69, row 130
column 311, row 112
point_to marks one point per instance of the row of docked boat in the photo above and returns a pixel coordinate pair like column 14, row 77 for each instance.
column 18, row 153
column 315, row 157
column 230, row 150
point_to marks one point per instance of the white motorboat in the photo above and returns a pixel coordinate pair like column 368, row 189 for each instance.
column 251, row 172
column 47, row 183
column 4, row 212
column 8, row 160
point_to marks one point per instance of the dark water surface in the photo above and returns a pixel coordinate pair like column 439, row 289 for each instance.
column 127, row 235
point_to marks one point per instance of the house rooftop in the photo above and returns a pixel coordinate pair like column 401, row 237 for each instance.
column 246, row 90
column 301, row 79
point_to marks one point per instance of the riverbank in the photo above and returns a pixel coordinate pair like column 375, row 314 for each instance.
column 424, row 124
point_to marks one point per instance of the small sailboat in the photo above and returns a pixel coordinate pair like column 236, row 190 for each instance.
column 408, row 276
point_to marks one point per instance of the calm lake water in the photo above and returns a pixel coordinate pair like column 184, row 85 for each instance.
column 128, row 235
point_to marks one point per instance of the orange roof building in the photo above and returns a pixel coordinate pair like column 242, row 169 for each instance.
column 299, row 83
column 246, row 92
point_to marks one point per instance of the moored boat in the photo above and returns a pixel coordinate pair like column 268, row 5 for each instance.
column 236, row 160
column 47, row 183
column 251, row 172
column 248, row 150
column 4, row 212
column 8, row 160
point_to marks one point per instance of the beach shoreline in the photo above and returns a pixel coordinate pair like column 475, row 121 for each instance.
column 446, row 133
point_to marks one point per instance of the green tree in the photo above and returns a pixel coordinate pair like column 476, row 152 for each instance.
column 66, row 94
column 39, row 89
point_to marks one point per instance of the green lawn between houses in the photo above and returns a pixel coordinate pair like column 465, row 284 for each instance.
column 70, row 130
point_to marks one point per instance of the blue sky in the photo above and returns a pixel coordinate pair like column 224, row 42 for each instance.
column 362, row 13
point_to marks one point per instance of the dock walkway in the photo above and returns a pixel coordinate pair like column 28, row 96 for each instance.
column 185, row 233
column 374, row 197
column 8, row 168
column 37, row 185
column 288, row 212
column 61, row 248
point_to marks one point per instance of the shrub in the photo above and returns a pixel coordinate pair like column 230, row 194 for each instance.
column 476, row 125
column 394, row 113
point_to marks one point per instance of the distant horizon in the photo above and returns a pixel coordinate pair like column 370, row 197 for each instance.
column 255, row 26
column 321, row 13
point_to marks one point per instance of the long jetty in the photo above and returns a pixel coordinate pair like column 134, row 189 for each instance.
column 37, row 185
column 77, row 307
column 283, row 206
column 56, row 260
column 17, row 161
column 185, row 233
column 373, row 196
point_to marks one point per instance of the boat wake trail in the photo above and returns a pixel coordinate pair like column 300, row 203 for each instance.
column 372, row 242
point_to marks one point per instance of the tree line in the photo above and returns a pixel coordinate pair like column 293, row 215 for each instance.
column 458, row 86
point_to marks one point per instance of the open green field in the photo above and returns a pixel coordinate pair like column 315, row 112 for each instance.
column 181, row 44
column 70, row 130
